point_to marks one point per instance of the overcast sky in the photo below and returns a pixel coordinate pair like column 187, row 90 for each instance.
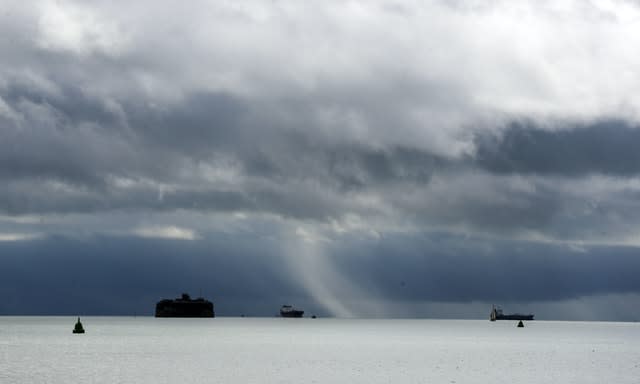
column 354, row 158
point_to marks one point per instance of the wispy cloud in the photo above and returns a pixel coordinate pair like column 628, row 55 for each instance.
column 19, row 236
column 166, row 232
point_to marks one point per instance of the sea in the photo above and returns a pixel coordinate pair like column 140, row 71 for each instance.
column 277, row 350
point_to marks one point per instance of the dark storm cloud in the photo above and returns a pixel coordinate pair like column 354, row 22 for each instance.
column 85, row 123
column 71, row 151
column 68, row 137
column 71, row 104
column 72, row 138
column 199, row 126
column 109, row 275
column 77, row 153
column 606, row 147
column 482, row 202
column 449, row 268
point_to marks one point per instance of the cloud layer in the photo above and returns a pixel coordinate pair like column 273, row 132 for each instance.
column 325, row 123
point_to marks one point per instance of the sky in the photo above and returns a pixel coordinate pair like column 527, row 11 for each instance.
column 352, row 158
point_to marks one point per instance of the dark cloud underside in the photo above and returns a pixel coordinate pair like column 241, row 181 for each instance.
column 607, row 147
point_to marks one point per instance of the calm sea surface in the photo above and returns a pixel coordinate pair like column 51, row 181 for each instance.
column 272, row 350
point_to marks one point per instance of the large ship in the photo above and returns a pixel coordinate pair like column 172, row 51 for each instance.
column 184, row 307
column 496, row 314
column 289, row 311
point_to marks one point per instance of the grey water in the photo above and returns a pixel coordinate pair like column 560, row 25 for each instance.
column 274, row 350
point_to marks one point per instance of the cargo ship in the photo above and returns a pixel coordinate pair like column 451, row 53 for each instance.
column 496, row 314
column 289, row 311
column 184, row 306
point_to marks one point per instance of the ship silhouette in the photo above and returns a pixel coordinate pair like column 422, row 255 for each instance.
column 184, row 306
column 496, row 314
column 289, row 311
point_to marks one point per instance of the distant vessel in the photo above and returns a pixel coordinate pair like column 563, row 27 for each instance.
column 184, row 307
column 496, row 314
column 289, row 311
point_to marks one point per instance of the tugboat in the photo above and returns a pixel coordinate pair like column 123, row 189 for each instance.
column 496, row 314
column 185, row 307
column 78, row 327
column 289, row 311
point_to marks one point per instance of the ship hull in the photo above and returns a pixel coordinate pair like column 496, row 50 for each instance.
column 184, row 307
column 514, row 317
column 292, row 314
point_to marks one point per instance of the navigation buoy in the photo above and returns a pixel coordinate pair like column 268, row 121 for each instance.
column 78, row 328
column 520, row 324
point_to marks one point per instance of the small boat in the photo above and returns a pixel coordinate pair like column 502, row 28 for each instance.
column 78, row 327
column 496, row 314
column 289, row 311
